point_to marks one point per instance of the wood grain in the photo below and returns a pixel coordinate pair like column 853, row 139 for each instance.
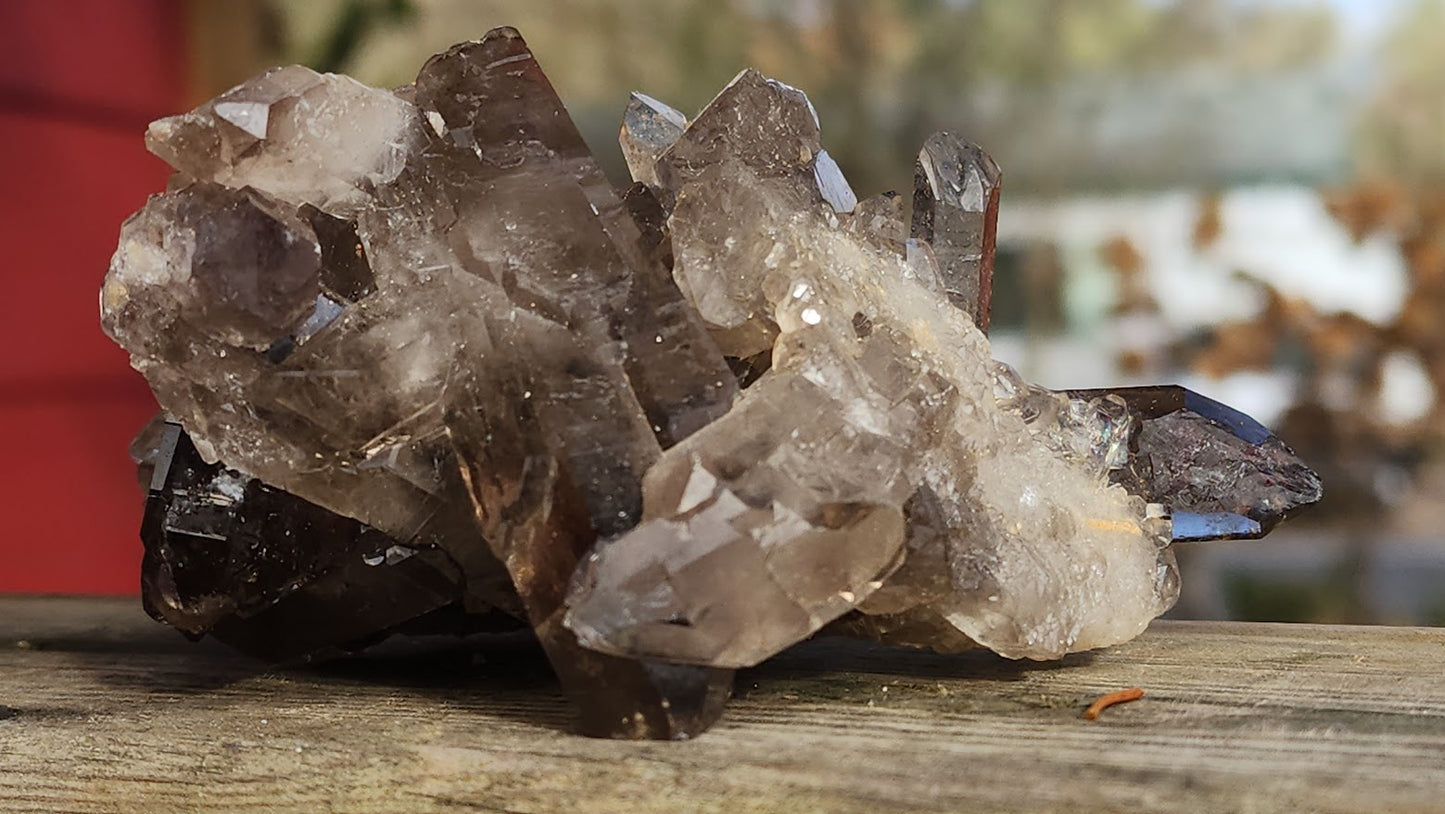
column 103, row 710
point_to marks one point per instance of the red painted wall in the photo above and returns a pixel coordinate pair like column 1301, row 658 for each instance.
column 78, row 81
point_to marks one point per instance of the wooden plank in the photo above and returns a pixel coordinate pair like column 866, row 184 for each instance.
column 103, row 710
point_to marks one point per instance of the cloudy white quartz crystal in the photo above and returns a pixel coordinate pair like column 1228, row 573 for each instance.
column 879, row 391
column 295, row 133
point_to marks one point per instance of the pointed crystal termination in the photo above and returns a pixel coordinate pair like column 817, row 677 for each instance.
column 955, row 210
column 730, row 565
column 649, row 127
column 833, row 185
column 294, row 133
column 554, row 454
column 782, row 135
column 270, row 574
column 622, row 301
column 1222, row 475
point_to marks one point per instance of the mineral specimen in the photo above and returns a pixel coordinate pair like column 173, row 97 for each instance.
column 427, row 369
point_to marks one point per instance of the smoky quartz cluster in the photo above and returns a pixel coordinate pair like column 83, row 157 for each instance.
column 423, row 368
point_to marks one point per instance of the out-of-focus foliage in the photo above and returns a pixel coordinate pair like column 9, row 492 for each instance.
column 1020, row 75
column 355, row 21
column 1403, row 129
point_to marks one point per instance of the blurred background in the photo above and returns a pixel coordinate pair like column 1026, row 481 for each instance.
column 1247, row 196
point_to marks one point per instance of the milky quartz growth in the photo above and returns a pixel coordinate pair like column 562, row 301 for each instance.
column 879, row 390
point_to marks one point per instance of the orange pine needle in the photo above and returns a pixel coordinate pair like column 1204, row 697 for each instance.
column 1107, row 700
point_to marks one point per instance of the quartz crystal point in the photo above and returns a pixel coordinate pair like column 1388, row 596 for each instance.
column 649, row 127
column 955, row 211
column 428, row 369
column 296, row 134
column 1221, row 474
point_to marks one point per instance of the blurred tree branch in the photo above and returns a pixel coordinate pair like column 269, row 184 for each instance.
column 355, row 20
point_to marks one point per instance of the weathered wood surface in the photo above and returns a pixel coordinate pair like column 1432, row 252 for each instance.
column 103, row 710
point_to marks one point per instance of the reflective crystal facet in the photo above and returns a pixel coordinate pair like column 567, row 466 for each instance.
column 649, row 127
column 294, row 133
column 1222, row 474
column 553, row 450
column 271, row 574
column 955, row 210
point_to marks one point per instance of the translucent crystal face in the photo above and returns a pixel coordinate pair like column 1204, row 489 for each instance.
column 425, row 366
column 295, row 134
column 1223, row 475
column 955, row 210
column 649, row 127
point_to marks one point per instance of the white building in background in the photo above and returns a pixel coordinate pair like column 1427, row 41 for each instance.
column 1280, row 234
